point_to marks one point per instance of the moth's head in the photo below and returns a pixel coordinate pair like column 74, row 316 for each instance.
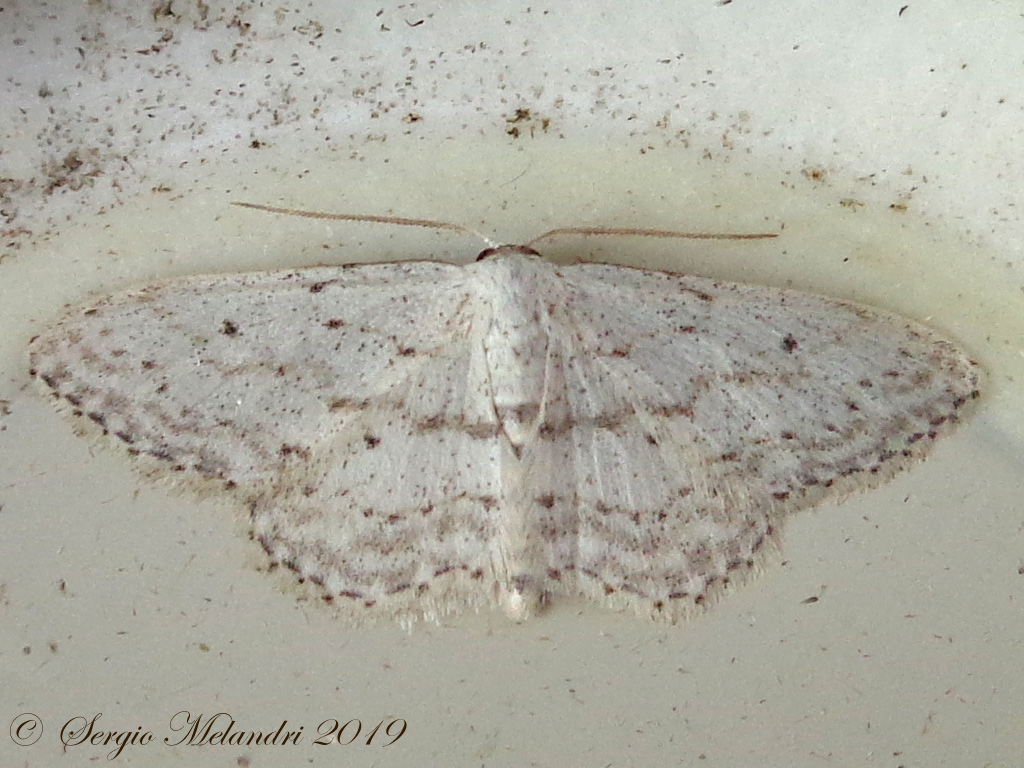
column 500, row 251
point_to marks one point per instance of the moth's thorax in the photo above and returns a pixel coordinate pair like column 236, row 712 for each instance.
column 516, row 344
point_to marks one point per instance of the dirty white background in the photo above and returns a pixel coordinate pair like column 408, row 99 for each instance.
column 882, row 140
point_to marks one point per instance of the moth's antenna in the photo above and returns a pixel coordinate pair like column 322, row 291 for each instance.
column 432, row 224
column 399, row 220
column 629, row 231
